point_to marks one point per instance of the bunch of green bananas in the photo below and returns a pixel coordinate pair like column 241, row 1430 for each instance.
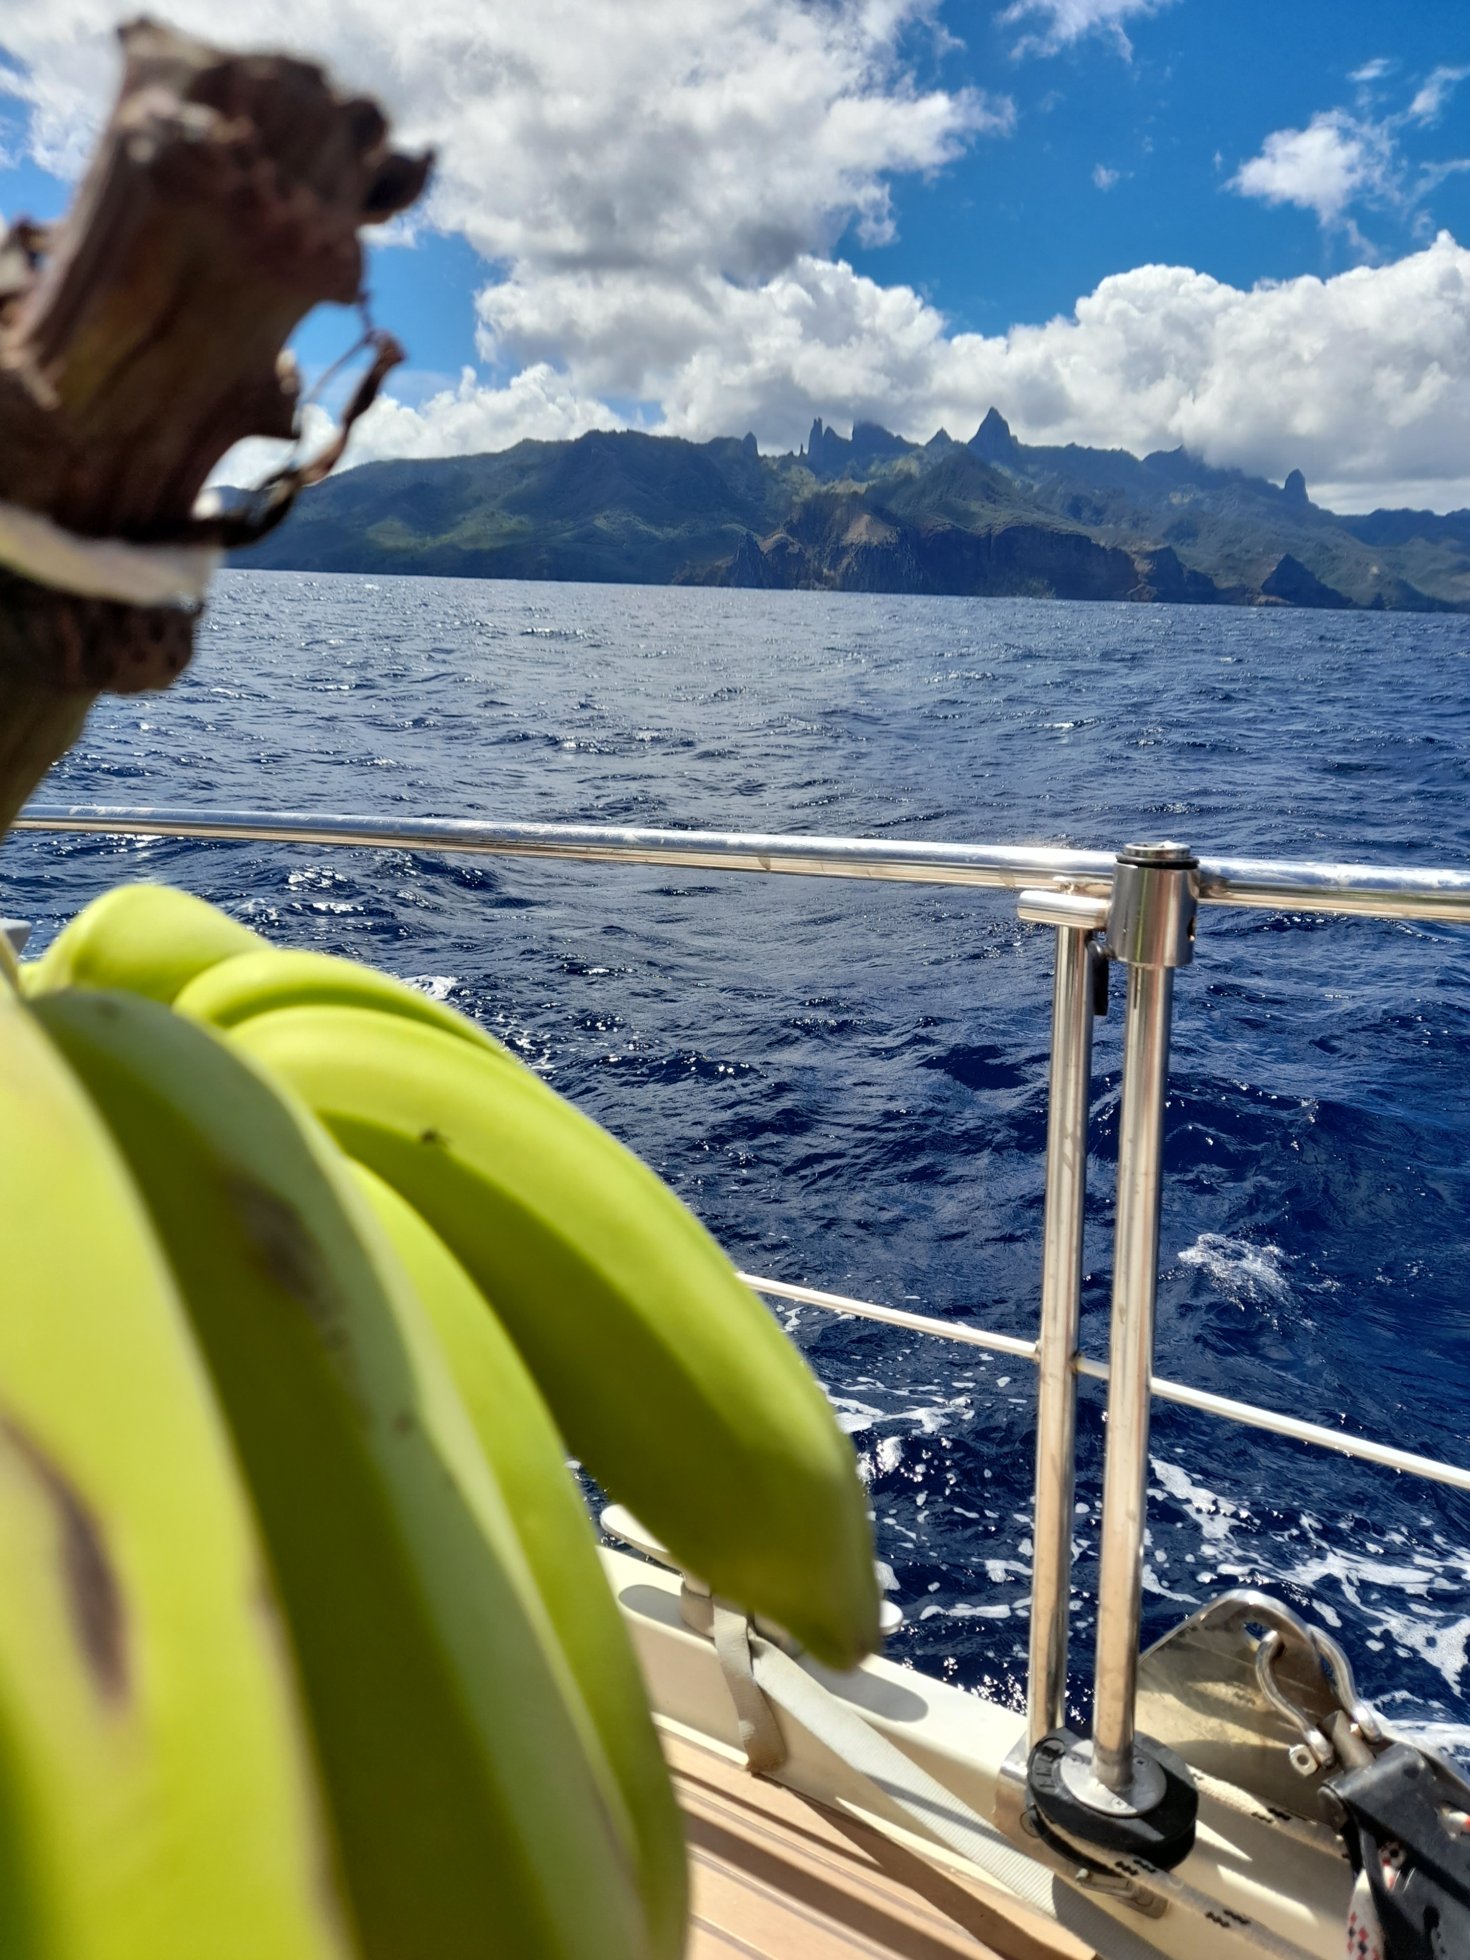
column 305, row 1645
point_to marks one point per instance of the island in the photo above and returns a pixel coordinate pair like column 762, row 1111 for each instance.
column 871, row 511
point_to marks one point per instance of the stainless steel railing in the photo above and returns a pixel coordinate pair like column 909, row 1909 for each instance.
column 1368, row 890
column 1247, row 1414
column 1145, row 898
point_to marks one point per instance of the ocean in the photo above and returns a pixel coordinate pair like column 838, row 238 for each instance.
column 847, row 1082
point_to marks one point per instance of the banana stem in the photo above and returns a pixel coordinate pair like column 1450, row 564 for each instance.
column 144, row 336
column 38, row 724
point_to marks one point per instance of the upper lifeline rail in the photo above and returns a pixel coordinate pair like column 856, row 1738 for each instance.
column 1365, row 890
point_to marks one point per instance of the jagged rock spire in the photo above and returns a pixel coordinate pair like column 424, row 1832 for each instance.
column 993, row 441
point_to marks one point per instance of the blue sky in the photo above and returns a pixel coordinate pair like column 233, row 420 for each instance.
column 1016, row 230
column 1139, row 222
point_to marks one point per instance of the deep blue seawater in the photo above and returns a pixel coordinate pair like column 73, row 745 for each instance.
column 848, row 1081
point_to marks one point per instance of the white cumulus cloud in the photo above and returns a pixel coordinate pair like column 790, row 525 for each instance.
column 676, row 133
column 1323, row 168
column 538, row 403
column 1361, row 380
column 636, row 178
column 1061, row 22
column 473, row 417
column 1431, row 98
column 1342, row 158
column 658, row 192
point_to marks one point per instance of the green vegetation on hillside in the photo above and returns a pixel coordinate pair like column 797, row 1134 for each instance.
column 873, row 512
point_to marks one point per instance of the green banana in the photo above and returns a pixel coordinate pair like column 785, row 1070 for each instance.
column 261, row 982
column 528, row 1462
column 470, row 1819
column 157, row 1794
column 667, row 1377
column 146, row 939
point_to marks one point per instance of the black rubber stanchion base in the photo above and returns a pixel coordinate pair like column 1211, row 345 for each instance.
column 1156, row 1822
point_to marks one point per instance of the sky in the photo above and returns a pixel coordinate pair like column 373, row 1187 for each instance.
column 1234, row 225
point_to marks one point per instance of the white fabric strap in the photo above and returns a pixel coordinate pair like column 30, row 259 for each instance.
column 760, row 1733
column 728, row 1628
column 104, row 568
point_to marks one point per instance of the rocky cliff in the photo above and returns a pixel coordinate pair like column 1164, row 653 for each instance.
column 871, row 511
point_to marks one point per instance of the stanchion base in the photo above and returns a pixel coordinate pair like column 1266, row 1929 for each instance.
column 1153, row 1819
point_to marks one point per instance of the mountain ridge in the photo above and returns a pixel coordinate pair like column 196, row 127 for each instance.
column 873, row 511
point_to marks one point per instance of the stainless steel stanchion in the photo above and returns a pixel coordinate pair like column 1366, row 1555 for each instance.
column 1117, row 1791
column 1076, row 920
